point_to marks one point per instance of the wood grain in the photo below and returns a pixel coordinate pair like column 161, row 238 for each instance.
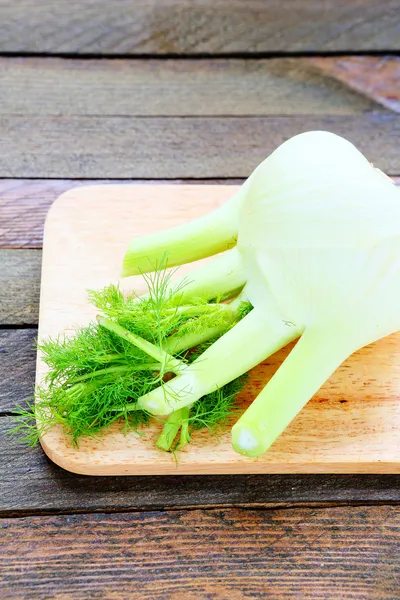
column 376, row 77
column 350, row 426
column 90, row 118
column 19, row 286
column 161, row 147
column 24, row 204
column 197, row 26
column 17, row 367
column 23, row 208
column 219, row 554
column 30, row 483
column 37, row 86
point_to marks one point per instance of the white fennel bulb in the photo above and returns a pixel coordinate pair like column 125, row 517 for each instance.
column 318, row 255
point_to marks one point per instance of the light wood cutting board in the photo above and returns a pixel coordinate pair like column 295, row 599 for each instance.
column 352, row 425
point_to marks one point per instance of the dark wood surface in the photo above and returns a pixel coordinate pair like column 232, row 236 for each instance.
column 46, row 105
column 17, row 367
column 31, row 484
column 175, row 147
column 20, row 283
column 61, row 87
column 227, row 553
column 153, row 111
column 197, row 26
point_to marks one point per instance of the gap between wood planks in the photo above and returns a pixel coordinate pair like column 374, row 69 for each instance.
column 197, row 56
column 261, row 506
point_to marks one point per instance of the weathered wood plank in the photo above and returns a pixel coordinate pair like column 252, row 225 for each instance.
column 30, row 483
column 24, row 204
column 140, row 147
column 173, row 88
column 376, row 77
column 197, row 26
column 17, row 367
column 305, row 553
column 19, row 286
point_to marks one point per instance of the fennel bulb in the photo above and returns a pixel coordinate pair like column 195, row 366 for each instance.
column 317, row 233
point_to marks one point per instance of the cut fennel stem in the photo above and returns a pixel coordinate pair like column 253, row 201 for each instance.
column 318, row 248
column 212, row 233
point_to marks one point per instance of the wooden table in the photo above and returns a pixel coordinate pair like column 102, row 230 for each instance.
column 180, row 90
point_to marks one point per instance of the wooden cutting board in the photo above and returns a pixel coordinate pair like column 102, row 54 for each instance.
column 352, row 425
